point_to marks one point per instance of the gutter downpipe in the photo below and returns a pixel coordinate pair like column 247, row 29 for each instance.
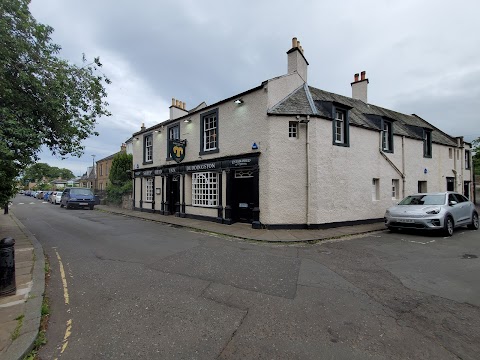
column 404, row 180
column 307, row 148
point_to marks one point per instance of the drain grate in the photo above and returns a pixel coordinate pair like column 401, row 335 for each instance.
column 469, row 256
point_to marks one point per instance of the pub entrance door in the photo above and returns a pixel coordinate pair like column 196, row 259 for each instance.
column 173, row 194
column 243, row 195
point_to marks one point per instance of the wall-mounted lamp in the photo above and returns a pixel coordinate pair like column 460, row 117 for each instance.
column 136, row 138
column 187, row 120
column 158, row 131
column 238, row 101
column 158, row 191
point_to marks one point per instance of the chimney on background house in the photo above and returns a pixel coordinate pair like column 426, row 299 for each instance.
column 123, row 148
column 359, row 87
column 177, row 109
column 296, row 60
column 142, row 128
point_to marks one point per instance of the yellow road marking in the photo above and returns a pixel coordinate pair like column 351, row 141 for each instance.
column 68, row 331
column 64, row 280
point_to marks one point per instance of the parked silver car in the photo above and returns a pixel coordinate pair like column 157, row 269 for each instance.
column 432, row 211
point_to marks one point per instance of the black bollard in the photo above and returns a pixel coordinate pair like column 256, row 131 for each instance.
column 5, row 209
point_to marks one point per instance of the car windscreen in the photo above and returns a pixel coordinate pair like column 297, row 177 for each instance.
column 423, row 200
column 81, row 192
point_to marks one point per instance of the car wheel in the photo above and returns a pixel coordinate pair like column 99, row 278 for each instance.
column 474, row 224
column 61, row 205
column 448, row 226
column 392, row 229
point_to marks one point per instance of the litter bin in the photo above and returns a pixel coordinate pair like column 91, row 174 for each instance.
column 7, row 266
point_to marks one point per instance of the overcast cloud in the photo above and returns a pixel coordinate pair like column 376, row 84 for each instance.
column 421, row 57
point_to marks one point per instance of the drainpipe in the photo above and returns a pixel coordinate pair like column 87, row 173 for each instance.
column 307, row 147
column 454, row 170
column 403, row 167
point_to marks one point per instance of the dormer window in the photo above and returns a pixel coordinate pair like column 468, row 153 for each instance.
column 387, row 136
column 427, row 143
column 340, row 127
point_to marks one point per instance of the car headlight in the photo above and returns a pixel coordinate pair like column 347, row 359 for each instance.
column 433, row 211
column 74, row 199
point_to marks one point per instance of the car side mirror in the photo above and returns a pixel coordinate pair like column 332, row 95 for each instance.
column 451, row 203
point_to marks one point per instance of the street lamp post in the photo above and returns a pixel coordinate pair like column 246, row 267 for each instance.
column 93, row 170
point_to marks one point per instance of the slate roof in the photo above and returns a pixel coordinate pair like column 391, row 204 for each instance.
column 361, row 114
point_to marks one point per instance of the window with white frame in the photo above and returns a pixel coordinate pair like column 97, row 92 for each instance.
column 467, row 159
column 209, row 126
column 148, row 151
column 387, row 138
column 395, row 189
column 339, row 127
column 375, row 189
column 149, row 189
column 292, row 129
column 205, row 189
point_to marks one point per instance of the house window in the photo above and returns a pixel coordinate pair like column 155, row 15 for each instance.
column 292, row 129
column 450, row 156
column 395, row 189
column 100, row 186
column 375, row 189
column 467, row 159
column 149, row 190
column 340, row 128
column 387, row 136
column 427, row 143
column 422, row 187
column 101, row 170
column 205, row 189
column 106, row 169
column 173, row 134
column 148, row 148
column 209, row 132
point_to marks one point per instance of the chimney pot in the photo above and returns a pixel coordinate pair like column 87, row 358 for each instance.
column 184, row 106
column 294, row 42
column 173, row 101
column 355, row 78
column 362, row 74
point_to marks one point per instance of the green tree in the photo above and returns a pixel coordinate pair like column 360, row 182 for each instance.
column 44, row 100
column 120, row 177
column 38, row 171
column 476, row 156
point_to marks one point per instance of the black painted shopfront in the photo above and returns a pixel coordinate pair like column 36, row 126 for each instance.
column 240, row 174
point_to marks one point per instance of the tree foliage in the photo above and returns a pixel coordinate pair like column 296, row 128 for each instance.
column 38, row 171
column 476, row 156
column 120, row 177
column 44, row 100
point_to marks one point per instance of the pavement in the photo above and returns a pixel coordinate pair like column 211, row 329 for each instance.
column 20, row 314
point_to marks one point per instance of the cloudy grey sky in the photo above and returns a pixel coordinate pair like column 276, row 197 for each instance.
column 421, row 56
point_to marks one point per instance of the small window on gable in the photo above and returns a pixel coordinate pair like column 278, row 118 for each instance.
column 395, row 189
column 293, row 129
column 341, row 128
column 387, row 136
column 450, row 153
column 427, row 143
column 375, row 189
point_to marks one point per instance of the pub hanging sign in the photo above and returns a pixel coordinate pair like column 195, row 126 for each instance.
column 177, row 149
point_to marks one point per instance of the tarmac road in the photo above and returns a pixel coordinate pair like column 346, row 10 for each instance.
column 132, row 289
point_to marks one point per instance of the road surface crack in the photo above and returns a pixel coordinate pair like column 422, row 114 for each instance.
column 233, row 334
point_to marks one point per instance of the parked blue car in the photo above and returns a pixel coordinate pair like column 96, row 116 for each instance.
column 77, row 197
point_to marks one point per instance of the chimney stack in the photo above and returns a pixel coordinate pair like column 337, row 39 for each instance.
column 142, row 128
column 360, row 87
column 296, row 60
column 123, row 148
column 177, row 109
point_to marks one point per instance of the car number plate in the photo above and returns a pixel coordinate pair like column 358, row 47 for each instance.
column 83, row 204
column 406, row 220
